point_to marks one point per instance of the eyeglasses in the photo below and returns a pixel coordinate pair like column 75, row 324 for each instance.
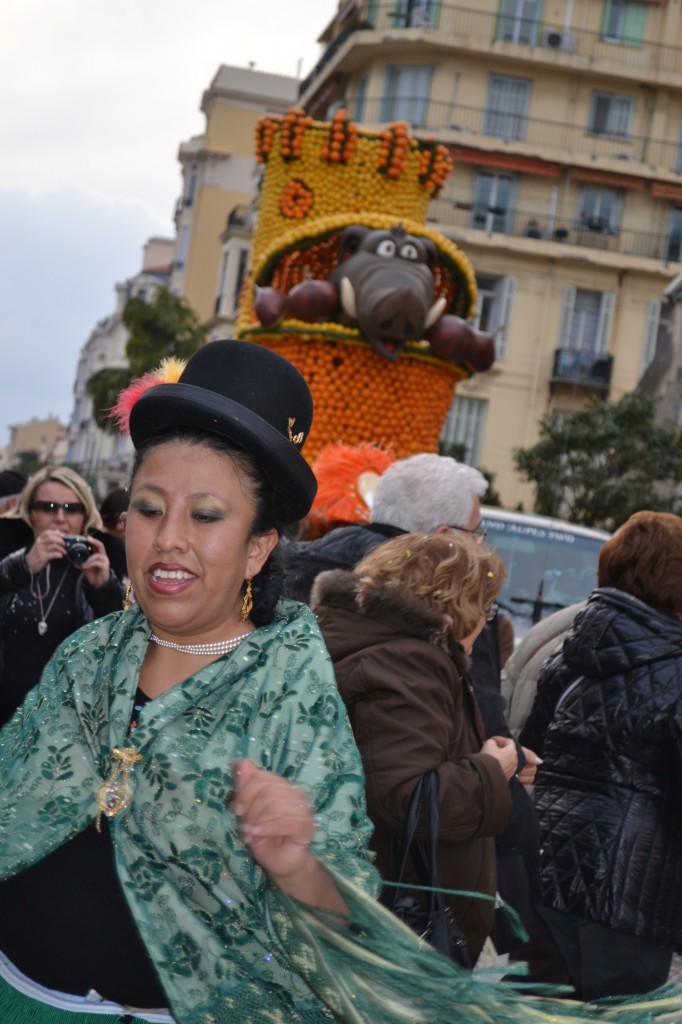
column 51, row 508
column 491, row 612
column 479, row 534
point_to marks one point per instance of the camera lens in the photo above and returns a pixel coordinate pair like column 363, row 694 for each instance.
column 78, row 549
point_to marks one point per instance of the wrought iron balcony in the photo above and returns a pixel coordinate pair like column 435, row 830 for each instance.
column 461, row 213
column 455, row 122
column 480, row 31
column 582, row 369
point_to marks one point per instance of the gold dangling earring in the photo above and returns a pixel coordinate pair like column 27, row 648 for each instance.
column 129, row 597
column 247, row 603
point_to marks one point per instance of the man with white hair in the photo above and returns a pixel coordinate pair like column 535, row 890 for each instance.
column 423, row 493
column 429, row 494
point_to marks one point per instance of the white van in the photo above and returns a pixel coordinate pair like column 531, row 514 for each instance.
column 550, row 563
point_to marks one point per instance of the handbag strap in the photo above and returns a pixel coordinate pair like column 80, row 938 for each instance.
column 423, row 854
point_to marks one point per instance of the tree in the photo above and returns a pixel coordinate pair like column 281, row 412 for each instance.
column 104, row 387
column 599, row 465
column 28, row 462
column 166, row 326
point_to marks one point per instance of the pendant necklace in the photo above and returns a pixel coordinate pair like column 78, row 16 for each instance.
column 42, row 625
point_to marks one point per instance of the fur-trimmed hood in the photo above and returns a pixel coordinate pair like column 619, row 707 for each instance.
column 389, row 609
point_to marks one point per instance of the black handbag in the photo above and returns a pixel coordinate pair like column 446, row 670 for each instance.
column 432, row 920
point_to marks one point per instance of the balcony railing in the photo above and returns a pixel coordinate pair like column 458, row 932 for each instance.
column 584, row 369
column 534, row 222
column 240, row 217
column 466, row 27
column 455, row 121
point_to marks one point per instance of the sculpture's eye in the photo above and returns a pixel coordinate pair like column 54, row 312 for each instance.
column 409, row 251
column 386, row 248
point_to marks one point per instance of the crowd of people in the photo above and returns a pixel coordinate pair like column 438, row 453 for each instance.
column 213, row 736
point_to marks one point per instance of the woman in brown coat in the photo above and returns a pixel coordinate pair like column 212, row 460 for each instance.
column 399, row 629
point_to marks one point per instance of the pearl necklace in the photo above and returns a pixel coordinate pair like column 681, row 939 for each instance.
column 219, row 647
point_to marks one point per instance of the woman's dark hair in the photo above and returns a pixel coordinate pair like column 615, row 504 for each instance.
column 267, row 585
column 644, row 558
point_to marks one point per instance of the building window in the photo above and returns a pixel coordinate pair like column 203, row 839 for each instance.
column 242, row 265
column 406, row 94
column 599, row 209
column 506, row 108
column 416, row 13
column 192, row 185
column 673, row 247
column 494, row 202
column 611, row 115
column 586, row 321
column 465, row 425
column 624, row 22
column 519, row 21
column 494, row 305
column 360, row 98
column 678, row 154
column 657, row 326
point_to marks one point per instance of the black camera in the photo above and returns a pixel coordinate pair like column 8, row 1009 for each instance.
column 78, row 548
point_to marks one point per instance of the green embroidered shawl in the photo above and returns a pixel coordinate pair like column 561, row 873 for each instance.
column 228, row 946
column 202, row 906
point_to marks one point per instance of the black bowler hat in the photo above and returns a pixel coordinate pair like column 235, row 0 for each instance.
column 12, row 481
column 247, row 394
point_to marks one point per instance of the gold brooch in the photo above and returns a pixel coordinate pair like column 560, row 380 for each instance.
column 116, row 792
column 294, row 438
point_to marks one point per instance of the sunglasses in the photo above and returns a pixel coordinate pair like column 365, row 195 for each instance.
column 69, row 508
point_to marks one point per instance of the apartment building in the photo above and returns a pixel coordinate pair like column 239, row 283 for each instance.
column 101, row 457
column 218, row 170
column 564, row 120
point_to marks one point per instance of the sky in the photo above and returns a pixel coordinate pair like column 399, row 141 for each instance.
column 95, row 99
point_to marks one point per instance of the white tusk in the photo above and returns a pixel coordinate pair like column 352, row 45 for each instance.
column 348, row 299
column 435, row 311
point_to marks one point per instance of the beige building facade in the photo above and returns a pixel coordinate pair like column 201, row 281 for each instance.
column 218, row 176
column 46, row 438
column 564, row 121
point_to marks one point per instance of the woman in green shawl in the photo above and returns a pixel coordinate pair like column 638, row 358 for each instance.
column 183, row 835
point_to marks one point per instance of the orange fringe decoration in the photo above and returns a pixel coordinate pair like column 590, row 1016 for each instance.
column 346, row 477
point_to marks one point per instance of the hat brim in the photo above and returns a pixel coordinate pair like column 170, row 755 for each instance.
column 186, row 405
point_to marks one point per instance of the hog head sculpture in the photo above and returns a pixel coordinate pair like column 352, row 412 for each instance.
column 385, row 285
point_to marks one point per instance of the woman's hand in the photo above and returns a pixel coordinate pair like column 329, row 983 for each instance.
column 96, row 568
column 48, row 546
column 277, row 822
column 503, row 749
column 527, row 774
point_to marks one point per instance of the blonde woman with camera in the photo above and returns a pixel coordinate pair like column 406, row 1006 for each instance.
column 54, row 577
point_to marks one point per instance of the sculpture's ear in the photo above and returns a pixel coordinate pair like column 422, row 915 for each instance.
column 351, row 239
column 431, row 252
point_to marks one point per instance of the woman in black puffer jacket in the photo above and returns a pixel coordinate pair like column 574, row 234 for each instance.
column 607, row 721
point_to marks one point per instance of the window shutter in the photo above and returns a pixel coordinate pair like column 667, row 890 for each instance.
column 652, row 324
column 604, row 326
column 567, row 317
column 506, row 304
column 634, row 24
